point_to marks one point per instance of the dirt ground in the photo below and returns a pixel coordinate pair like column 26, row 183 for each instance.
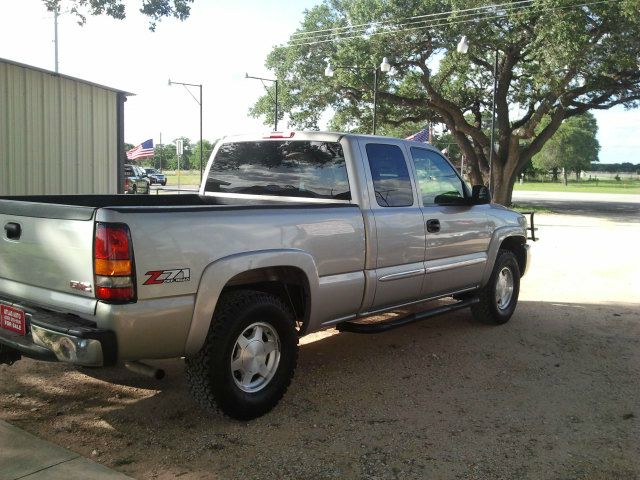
column 555, row 393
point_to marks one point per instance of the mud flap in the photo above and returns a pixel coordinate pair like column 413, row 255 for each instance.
column 8, row 355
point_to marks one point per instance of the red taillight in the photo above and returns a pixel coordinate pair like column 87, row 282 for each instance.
column 113, row 263
column 114, row 294
column 280, row 135
column 112, row 242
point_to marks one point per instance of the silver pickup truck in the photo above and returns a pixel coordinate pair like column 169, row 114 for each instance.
column 289, row 234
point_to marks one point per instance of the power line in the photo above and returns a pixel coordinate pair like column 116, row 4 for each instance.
column 471, row 16
column 326, row 38
column 408, row 19
column 338, row 37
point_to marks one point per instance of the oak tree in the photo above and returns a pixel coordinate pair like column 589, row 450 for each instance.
column 154, row 9
column 556, row 59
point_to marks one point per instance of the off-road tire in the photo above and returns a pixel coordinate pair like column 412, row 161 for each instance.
column 209, row 371
column 488, row 311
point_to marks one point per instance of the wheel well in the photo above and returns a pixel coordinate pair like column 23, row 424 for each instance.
column 288, row 283
column 516, row 245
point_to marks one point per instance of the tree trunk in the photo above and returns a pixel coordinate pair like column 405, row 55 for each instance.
column 577, row 175
column 554, row 174
column 504, row 171
column 564, row 177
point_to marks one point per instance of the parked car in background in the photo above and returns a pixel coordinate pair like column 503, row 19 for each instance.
column 155, row 176
column 136, row 180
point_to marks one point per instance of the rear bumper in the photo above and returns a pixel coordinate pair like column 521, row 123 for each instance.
column 54, row 337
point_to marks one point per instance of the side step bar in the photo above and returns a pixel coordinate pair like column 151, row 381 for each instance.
column 385, row 326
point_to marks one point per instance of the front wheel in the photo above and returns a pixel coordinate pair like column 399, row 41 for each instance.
column 249, row 355
column 498, row 299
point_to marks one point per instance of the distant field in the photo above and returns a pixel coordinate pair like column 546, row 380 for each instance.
column 186, row 178
column 603, row 186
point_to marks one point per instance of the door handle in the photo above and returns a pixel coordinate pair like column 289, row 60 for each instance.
column 13, row 230
column 433, row 225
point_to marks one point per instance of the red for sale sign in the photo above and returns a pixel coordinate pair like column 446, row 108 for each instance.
column 13, row 319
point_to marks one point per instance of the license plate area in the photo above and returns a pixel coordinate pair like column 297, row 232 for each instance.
column 13, row 319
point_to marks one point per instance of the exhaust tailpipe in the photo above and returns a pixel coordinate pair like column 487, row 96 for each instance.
column 146, row 370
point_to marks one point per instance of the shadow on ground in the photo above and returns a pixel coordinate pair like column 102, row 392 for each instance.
column 552, row 394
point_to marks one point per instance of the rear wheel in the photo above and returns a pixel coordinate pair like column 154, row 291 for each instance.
column 498, row 299
column 249, row 356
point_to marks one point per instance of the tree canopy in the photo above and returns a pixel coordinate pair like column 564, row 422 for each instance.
column 573, row 147
column 556, row 59
column 154, row 9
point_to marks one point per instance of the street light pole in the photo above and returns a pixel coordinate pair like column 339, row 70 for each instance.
column 375, row 99
column 275, row 81
column 199, row 102
column 493, row 119
column 385, row 67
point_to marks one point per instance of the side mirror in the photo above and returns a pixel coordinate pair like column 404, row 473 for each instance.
column 480, row 195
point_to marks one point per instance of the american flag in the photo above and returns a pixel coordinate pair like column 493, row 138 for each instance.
column 145, row 149
column 421, row 136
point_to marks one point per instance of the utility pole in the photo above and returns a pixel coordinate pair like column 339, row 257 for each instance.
column 199, row 102
column 55, row 33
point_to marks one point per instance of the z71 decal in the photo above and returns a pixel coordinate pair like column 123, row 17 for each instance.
column 177, row 275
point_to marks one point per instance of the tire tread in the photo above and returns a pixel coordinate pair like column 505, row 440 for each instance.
column 200, row 377
column 483, row 311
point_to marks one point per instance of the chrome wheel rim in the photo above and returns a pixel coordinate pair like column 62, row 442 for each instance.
column 255, row 357
column 504, row 288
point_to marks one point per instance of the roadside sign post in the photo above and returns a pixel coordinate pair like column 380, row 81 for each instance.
column 179, row 151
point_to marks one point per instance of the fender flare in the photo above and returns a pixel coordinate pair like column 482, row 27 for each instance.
column 217, row 274
column 499, row 236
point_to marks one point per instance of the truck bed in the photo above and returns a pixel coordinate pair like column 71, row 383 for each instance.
column 82, row 207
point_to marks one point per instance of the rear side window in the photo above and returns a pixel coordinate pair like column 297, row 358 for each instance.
column 284, row 168
column 391, row 181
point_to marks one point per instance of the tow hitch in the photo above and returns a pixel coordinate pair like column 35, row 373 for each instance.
column 9, row 355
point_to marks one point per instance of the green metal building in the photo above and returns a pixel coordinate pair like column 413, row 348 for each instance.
column 58, row 134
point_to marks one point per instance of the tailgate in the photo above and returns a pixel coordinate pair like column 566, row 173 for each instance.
column 46, row 245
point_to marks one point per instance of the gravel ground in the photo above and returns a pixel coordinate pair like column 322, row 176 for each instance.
column 555, row 393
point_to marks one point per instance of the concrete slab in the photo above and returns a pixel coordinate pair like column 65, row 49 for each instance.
column 77, row 469
column 23, row 455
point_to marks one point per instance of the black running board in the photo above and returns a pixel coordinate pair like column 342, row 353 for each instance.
column 385, row 326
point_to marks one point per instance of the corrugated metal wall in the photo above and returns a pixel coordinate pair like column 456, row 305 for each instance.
column 57, row 135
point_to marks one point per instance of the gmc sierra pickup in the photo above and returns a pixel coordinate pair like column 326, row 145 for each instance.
column 289, row 234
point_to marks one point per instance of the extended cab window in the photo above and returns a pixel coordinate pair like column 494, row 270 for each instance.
column 437, row 180
column 286, row 168
column 391, row 181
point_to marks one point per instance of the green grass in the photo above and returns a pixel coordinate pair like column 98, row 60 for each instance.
column 602, row 186
column 530, row 208
column 186, row 178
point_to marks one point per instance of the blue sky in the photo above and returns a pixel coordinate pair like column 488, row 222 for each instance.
column 221, row 41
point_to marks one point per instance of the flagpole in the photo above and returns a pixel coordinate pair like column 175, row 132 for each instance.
column 160, row 145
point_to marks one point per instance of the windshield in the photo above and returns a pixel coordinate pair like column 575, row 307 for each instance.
column 284, row 168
